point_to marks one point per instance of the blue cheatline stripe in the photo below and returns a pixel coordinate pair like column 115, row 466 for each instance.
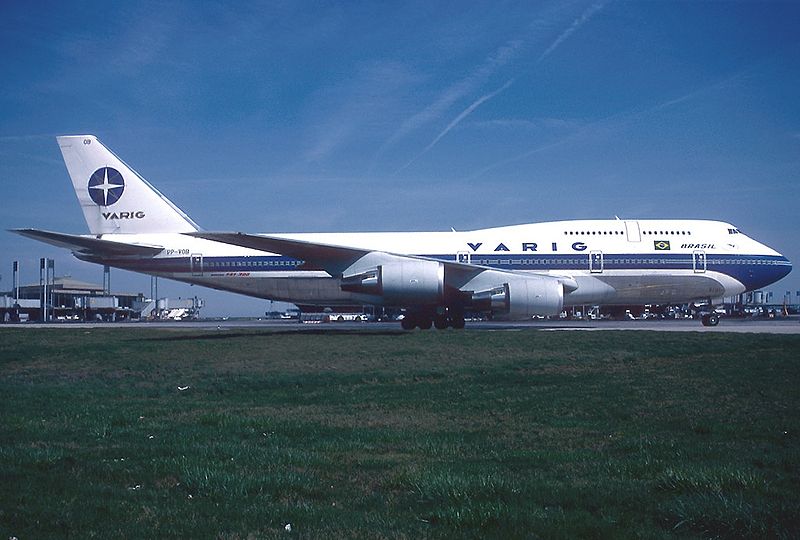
column 752, row 270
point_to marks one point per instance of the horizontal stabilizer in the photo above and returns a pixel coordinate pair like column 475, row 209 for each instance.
column 88, row 244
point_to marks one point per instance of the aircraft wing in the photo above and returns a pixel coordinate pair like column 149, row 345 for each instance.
column 408, row 280
column 88, row 244
column 336, row 259
column 332, row 258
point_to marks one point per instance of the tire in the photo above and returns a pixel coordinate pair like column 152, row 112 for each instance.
column 408, row 323
column 440, row 322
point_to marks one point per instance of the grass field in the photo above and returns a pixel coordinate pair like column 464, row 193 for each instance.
column 422, row 434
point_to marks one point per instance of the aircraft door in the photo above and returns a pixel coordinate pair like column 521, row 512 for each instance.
column 699, row 261
column 632, row 231
column 464, row 257
column 596, row 262
column 196, row 263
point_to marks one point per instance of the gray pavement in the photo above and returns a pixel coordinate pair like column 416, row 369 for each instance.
column 789, row 325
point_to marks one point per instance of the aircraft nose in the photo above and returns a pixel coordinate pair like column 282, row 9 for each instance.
column 780, row 270
column 785, row 266
column 761, row 275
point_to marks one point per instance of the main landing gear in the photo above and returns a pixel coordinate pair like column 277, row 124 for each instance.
column 424, row 320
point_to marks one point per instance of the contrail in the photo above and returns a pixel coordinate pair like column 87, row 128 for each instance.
column 577, row 23
column 613, row 121
column 500, row 57
column 466, row 112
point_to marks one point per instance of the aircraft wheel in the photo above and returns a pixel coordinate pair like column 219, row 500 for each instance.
column 440, row 322
column 457, row 322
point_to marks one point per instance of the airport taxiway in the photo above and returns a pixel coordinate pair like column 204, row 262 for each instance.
column 790, row 325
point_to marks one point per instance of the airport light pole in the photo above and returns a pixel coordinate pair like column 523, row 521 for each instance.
column 154, row 294
column 107, row 280
column 16, row 281
column 50, row 275
column 45, row 265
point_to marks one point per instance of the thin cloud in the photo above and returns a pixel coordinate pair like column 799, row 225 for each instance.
column 577, row 23
column 614, row 121
column 26, row 138
column 505, row 56
column 342, row 112
column 524, row 123
column 499, row 58
column 466, row 112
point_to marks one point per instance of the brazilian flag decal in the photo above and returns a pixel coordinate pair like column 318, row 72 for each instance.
column 661, row 245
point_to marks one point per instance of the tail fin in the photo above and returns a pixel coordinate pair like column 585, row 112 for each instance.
column 114, row 198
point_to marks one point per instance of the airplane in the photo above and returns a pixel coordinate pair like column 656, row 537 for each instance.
column 509, row 273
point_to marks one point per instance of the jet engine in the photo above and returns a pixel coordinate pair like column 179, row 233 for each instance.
column 520, row 297
column 403, row 282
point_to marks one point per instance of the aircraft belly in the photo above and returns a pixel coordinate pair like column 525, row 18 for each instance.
column 655, row 288
column 610, row 287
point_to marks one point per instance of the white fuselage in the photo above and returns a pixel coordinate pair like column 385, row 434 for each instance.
column 612, row 261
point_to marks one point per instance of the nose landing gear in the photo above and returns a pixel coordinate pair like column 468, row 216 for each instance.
column 709, row 319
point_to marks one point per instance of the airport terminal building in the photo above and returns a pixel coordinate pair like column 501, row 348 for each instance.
column 68, row 299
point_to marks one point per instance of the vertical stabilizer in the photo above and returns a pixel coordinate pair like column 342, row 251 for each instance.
column 113, row 197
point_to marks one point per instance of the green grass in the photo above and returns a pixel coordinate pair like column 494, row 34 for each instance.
column 423, row 434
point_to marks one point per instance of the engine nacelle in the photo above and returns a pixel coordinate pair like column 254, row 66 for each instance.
column 521, row 297
column 402, row 283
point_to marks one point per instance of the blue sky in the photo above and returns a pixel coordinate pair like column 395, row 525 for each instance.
column 292, row 116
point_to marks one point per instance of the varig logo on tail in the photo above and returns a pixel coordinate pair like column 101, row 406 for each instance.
column 106, row 186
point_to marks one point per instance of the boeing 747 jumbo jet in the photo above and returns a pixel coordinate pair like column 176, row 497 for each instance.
column 512, row 273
